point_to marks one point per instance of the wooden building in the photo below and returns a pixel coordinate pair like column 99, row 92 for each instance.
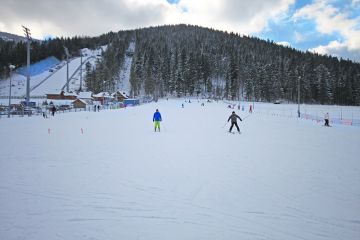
column 61, row 96
column 120, row 96
column 80, row 103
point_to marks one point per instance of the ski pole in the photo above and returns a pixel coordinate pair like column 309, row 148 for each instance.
column 246, row 117
column 224, row 125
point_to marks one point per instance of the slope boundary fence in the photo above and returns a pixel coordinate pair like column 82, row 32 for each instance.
column 316, row 115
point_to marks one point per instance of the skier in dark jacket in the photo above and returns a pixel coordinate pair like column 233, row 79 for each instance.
column 233, row 117
column 53, row 110
column 157, row 119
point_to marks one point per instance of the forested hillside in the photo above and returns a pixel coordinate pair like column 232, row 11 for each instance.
column 184, row 60
column 190, row 60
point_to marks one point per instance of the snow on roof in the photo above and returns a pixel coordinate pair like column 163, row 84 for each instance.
column 87, row 95
column 121, row 92
column 69, row 94
column 100, row 94
column 87, row 102
column 103, row 94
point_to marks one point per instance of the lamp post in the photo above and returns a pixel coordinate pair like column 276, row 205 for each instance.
column 81, row 66
column 28, row 37
column 298, row 97
column 67, row 68
column 11, row 67
column 253, row 95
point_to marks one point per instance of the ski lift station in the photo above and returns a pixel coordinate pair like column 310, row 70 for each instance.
column 131, row 102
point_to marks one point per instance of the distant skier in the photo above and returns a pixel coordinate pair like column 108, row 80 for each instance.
column 182, row 105
column 44, row 112
column 326, row 118
column 250, row 109
column 233, row 117
column 53, row 110
column 157, row 119
column 98, row 108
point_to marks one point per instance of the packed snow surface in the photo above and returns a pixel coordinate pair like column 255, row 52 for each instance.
column 108, row 175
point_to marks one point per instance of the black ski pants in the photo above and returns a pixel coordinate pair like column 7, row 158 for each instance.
column 234, row 124
column 326, row 122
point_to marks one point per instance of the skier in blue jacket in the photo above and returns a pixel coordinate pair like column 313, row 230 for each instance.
column 157, row 119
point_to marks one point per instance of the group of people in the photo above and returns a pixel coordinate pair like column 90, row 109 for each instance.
column 233, row 117
column 242, row 108
column 97, row 107
column 52, row 110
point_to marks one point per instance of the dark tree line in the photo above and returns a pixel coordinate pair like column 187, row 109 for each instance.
column 104, row 75
column 183, row 60
column 189, row 60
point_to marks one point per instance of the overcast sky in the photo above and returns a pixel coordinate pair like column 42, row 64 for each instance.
column 323, row 26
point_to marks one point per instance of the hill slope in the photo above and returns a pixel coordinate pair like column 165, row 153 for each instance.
column 189, row 60
column 281, row 179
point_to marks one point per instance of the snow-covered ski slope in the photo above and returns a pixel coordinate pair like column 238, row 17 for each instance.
column 58, row 80
column 51, row 82
column 124, row 83
column 281, row 179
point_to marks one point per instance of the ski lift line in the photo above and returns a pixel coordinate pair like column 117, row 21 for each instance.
column 76, row 71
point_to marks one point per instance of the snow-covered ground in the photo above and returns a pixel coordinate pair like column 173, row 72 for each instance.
column 107, row 175
column 124, row 83
column 58, row 80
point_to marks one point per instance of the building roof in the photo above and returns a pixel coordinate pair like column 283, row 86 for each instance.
column 123, row 93
column 85, row 95
column 85, row 101
column 103, row 94
column 70, row 94
column 65, row 93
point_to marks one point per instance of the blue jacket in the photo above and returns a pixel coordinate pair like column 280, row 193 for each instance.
column 157, row 116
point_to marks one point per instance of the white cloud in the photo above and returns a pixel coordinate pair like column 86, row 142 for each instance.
column 299, row 37
column 92, row 17
column 335, row 48
column 284, row 43
column 246, row 17
column 355, row 2
column 331, row 20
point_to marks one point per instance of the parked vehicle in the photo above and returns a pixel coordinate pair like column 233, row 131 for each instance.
column 278, row 101
column 64, row 107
